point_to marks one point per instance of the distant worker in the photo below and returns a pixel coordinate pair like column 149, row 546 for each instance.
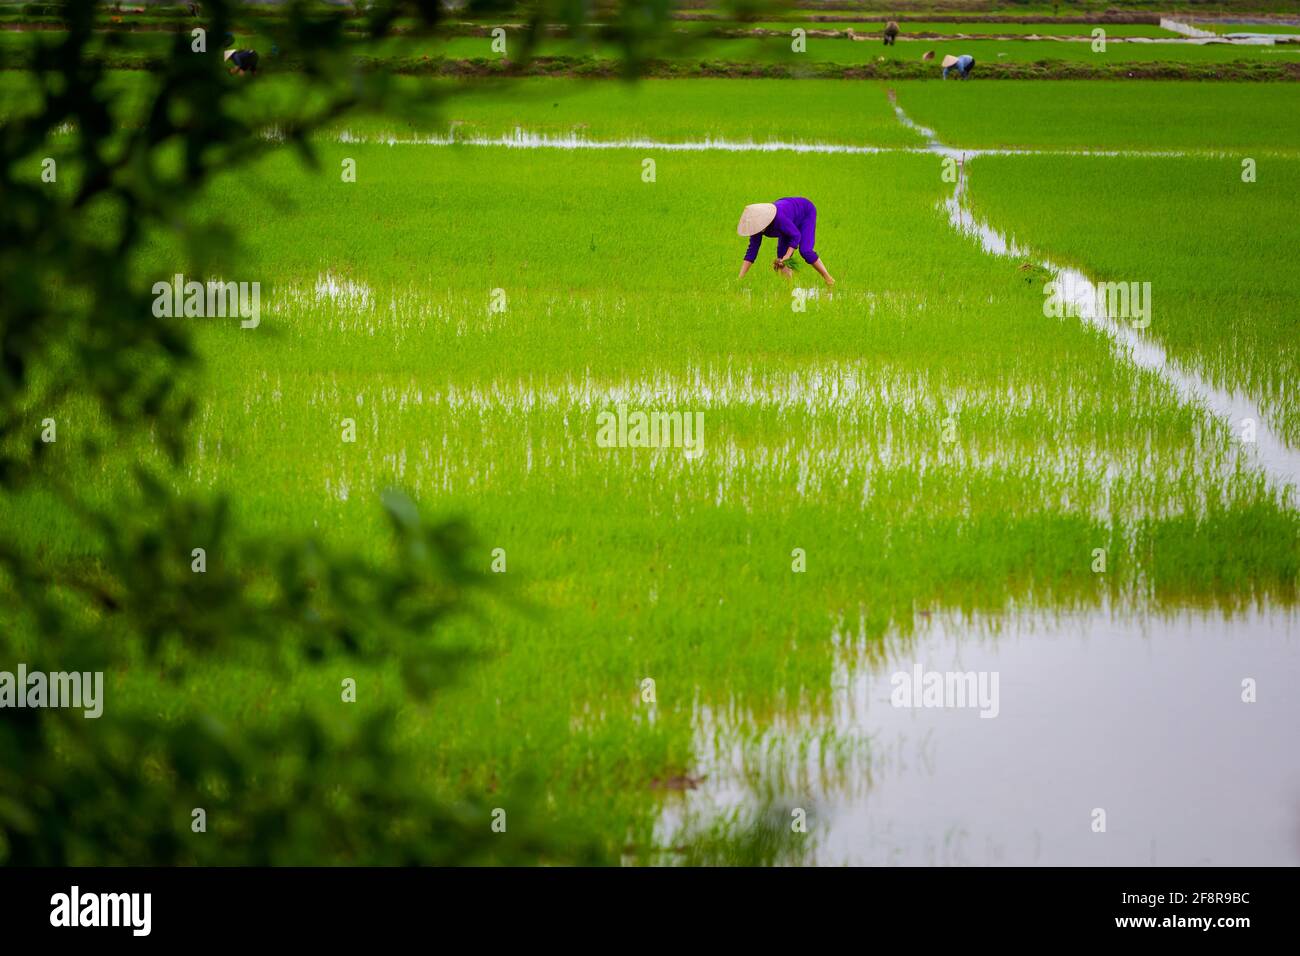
column 242, row 61
column 963, row 64
column 927, row 56
column 891, row 33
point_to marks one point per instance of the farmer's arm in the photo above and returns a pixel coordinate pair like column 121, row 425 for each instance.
column 790, row 237
column 751, row 253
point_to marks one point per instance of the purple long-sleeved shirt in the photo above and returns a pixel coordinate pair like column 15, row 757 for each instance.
column 794, row 225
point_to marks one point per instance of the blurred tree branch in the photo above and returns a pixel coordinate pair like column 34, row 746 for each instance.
column 77, row 329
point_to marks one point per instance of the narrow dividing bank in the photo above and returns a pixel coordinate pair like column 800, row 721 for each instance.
column 1075, row 294
column 1196, row 35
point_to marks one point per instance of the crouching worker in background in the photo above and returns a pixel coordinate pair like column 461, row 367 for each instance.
column 792, row 222
column 962, row 64
column 242, row 61
column 891, row 33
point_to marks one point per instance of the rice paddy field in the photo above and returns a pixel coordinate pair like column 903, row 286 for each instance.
column 762, row 45
column 838, row 50
column 921, row 467
column 695, row 45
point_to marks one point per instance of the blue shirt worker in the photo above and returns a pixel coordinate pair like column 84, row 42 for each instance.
column 963, row 65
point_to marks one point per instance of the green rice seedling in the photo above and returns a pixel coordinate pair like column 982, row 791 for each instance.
column 1109, row 116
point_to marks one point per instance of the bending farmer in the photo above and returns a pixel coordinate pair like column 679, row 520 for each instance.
column 792, row 222
column 963, row 63
column 242, row 61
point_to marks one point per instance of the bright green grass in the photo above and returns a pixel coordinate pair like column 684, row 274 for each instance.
column 660, row 110
column 824, row 430
column 670, row 111
column 1154, row 115
column 1224, row 286
column 1009, row 113
column 1100, row 115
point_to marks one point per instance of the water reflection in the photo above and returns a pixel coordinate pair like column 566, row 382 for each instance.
column 1142, row 717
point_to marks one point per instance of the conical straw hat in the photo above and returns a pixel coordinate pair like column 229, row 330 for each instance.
column 949, row 60
column 756, row 217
